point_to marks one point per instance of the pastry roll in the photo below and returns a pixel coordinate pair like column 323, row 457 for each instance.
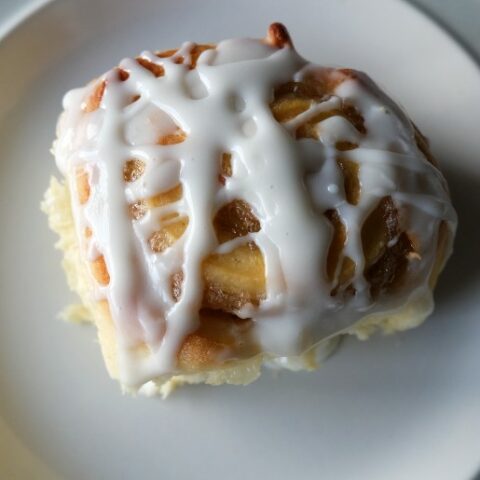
column 233, row 205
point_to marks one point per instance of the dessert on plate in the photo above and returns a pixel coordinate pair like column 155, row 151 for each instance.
column 233, row 205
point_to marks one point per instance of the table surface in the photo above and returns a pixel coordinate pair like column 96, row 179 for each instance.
column 460, row 17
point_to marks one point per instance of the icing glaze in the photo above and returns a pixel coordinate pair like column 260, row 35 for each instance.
column 223, row 106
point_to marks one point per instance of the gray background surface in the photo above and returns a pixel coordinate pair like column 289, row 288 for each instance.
column 460, row 17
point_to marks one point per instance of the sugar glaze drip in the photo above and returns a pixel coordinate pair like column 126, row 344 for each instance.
column 223, row 106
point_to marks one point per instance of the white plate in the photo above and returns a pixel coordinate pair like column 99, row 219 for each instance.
column 402, row 407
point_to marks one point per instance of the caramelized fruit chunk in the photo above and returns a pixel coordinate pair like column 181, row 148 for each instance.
column 345, row 277
column 344, row 145
column 138, row 209
column 165, row 237
column 235, row 219
column 234, row 279
column 287, row 108
column 293, row 98
column 385, row 263
column 350, row 113
column 351, row 182
column 164, row 198
column 337, row 244
column 290, row 99
column 378, row 229
column 388, row 272
column 219, row 333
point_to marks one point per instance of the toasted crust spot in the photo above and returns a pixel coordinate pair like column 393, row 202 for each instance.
column 122, row 74
column 278, row 36
column 83, row 185
column 178, row 136
column 99, row 270
column 198, row 352
column 326, row 80
column 344, row 146
column 133, row 169
column 156, row 70
column 135, row 98
column 226, row 165
column 138, row 209
column 94, row 100
column 167, row 53
column 196, row 51
column 176, row 283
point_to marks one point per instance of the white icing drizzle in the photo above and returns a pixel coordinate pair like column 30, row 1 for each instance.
column 223, row 106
